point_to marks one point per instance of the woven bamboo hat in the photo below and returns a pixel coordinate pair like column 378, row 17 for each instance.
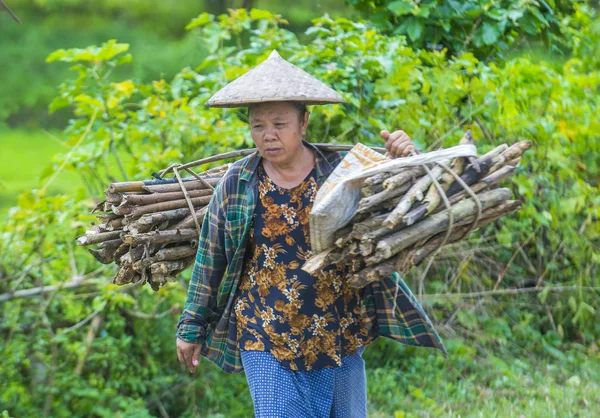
column 274, row 80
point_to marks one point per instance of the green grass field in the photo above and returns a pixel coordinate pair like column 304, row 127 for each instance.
column 24, row 155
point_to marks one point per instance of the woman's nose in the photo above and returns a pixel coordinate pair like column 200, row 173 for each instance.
column 270, row 134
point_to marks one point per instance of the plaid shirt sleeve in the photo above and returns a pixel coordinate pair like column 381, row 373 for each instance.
column 208, row 272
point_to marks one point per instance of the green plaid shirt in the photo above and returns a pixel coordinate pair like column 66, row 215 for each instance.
column 208, row 318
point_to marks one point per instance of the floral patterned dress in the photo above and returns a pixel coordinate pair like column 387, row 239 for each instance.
column 306, row 321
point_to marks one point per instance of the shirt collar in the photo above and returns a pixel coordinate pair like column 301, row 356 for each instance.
column 324, row 167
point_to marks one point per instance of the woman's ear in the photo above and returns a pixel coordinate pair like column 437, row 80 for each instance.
column 305, row 123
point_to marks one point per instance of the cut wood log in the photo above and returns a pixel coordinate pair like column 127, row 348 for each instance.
column 317, row 262
column 367, row 204
column 166, row 254
column 489, row 216
column 104, row 256
column 162, row 237
column 393, row 244
column 485, row 183
column 94, row 238
column 147, row 199
column 168, row 267
column 135, row 211
column 110, row 245
column 107, row 217
column 115, row 224
column 414, row 194
column 114, row 197
column 125, row 275
column 514, row 152
column 188, row 221
column 407, row 176
column 413, row 256
column 175, row 187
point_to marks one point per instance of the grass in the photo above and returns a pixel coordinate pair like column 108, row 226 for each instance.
column 24, row 155
column 420, row 383
column 472, row 386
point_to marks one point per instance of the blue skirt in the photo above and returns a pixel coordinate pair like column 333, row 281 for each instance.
column 276, row 391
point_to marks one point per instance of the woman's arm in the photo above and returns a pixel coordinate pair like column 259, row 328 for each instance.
column 208, row 272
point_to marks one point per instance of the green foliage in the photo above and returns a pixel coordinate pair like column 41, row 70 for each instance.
column 127, row 128
column 482, row 27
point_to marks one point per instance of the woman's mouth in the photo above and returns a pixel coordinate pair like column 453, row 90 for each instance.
column 272, row 151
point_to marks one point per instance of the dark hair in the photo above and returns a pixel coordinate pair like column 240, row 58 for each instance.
column 299, row 106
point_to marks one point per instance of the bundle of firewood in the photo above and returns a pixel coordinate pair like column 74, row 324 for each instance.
column 147, row 227
column 403, row 218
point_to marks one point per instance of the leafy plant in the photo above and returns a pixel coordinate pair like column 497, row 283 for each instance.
column 485, row 28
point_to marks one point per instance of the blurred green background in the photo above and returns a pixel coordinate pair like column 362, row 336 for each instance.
column 159, row 42
column 517, row 304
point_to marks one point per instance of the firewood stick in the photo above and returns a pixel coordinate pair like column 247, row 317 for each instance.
column 166, row 254
column 433, row 198
column 158, row 217
column 147, row 199
column 159, row 207
column 125, row 275
column 371, row 189
column 107, row 217
column 97, row 229
column 140, row 186
column 491, row 215
column 115, row 224
column 162, row 237
column 166, row 267
column 318, row 261
column 393, row 244
column 90, row 239
column 128, row 186
column 104, row 255
column 175, row 187
column 514, row 162
column 415, row 193
column 342, row 235
column 188, row 221
column 379, row 178
column 370, row 224
column 135, row 228
column 515, row 151
column 421, row 250
column 136, row 252
column 474, row 172
column 119, row 252
column 113, row 197
column 407, row 176
column 162, row 219
column 111, row 244
column 413, row 256
column 486, row 182
column 366, row 204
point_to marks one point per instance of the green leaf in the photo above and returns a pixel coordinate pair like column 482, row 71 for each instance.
column 414, row 28
column 257, row 14
column 400, row 8
column 490, row 33
column 201, row 20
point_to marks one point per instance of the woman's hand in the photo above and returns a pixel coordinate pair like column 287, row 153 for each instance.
column 188, row 354
column 398, row 144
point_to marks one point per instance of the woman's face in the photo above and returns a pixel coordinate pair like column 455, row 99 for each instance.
column 277, row 130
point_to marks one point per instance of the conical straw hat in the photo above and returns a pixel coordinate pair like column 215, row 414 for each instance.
column 274, row 80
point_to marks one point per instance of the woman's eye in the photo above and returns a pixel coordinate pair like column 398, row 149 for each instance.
column 257, row 127
column 280, row 125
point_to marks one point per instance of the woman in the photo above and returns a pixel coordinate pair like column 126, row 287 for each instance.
column 298, row 337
